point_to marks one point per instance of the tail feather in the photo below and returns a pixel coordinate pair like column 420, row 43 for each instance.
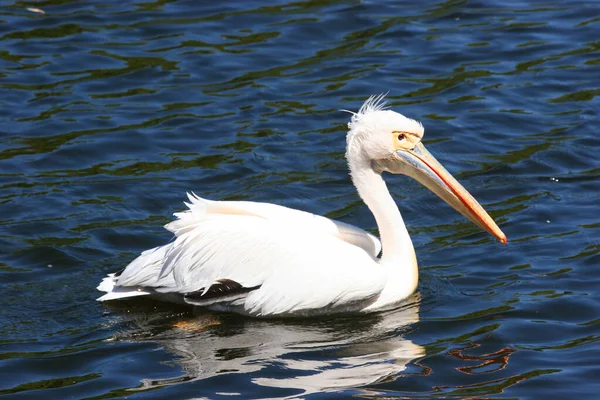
column 107, row 283
column 113, row 293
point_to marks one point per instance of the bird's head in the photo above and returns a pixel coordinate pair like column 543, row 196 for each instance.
column 391, row 142
column 376, row 132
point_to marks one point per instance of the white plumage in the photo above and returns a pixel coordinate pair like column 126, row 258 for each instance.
column 262, row 259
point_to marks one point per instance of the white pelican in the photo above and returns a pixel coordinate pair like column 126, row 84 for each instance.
column 265, row 260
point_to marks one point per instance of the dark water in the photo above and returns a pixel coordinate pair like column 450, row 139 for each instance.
column 110, row 111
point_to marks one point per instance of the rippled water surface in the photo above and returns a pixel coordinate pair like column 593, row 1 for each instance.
column 110, row 111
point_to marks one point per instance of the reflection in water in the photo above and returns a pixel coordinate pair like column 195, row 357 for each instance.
column 488, row 362
column 317, row 354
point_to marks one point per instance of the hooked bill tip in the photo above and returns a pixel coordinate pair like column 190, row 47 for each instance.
column 503, row 239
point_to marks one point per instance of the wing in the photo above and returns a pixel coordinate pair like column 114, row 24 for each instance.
column 263, row 267
column 200, row 208
column 265, row 258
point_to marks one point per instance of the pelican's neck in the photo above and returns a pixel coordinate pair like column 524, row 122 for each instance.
column 395, row 240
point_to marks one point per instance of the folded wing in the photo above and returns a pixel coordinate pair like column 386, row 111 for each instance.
column 260, row 259
column 199, row 208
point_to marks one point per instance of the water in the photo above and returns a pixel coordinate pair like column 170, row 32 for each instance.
column 110, row 111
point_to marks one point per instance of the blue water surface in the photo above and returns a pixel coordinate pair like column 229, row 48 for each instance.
column 110, row 111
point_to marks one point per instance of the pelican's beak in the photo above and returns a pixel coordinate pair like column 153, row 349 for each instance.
column 419, row 164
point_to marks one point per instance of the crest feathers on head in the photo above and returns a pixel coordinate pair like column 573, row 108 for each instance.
column 373, row 103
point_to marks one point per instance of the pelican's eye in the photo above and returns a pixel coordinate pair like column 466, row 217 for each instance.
column 402, row 140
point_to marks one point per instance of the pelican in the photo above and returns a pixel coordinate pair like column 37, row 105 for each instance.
column 266, row 260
